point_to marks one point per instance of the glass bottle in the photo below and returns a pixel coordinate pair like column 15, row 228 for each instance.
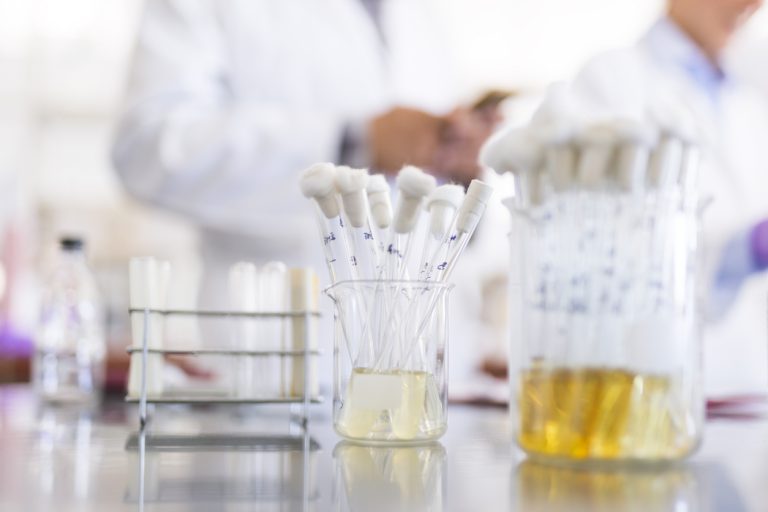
column 70, row 347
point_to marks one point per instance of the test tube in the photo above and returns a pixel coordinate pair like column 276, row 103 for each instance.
column 635, row 140
column 665, row 163
column 635, row 147
column 467, row 218
column 273, row 288
column 597, row 146
column 244, row 298
column 303, row 297
column 442, row 204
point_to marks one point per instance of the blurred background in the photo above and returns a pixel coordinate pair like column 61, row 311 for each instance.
column 64, row 66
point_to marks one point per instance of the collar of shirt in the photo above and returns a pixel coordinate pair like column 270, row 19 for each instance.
column 671, row 46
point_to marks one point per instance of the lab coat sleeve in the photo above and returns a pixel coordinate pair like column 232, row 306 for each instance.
column 735, row 265
column 187, row 142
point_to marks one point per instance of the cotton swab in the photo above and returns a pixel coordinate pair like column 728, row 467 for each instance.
column 318, row 182
column 380, row 203
column 351, row 185
column 413, row 185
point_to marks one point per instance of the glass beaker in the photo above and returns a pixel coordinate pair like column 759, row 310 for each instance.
column 390, row 360
column 606, row 356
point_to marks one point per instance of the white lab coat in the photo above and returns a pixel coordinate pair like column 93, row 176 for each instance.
column 734, row 133
column 228, row 101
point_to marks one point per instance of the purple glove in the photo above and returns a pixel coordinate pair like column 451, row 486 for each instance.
column 759, row 244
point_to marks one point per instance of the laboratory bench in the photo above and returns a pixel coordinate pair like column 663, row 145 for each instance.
column 236, row 458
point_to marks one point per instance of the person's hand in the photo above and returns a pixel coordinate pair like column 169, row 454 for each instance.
column 495, row 367
column 190, row 367
column 463, row 135
column 446, row 146
column 404, row 136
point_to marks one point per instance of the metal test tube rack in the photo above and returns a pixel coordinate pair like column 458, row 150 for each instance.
column 305, row 399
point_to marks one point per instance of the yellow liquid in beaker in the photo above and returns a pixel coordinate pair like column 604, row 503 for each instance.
column 602, row 413
column 392, row 405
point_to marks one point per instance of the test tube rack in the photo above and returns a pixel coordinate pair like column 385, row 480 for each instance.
column 144, row 399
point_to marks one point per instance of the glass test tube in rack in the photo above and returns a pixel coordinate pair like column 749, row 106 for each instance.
column 270, row 354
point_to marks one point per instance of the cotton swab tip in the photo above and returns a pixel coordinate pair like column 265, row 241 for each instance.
column 319, row 183
column 442, row 203
column 473, row 207
column 349, row 180
column 351, row 185
column 379, row 200
column 414, row 182
column 516, row 150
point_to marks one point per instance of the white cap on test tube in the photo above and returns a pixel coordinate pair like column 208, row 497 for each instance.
column 318, row 182
column 516, row 150
column 635, row 140
column 473, row 207
column 442, row 204
column 555, row 123
column 665, row 162
column 519, row 151
column 351, row 184
column 597, row 143
column 414, row 184
column 379, row 200
column 678, row 132
column 559, row 151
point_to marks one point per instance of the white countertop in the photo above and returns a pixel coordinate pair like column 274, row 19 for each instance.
column 54, row 459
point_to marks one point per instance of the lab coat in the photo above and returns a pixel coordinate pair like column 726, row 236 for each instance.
column 733, row 130
column 228, row 101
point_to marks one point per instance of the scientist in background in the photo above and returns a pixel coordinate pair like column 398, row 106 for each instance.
column 228, row 101
column 681, row 57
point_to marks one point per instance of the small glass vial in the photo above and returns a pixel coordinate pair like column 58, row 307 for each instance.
column 70, row 347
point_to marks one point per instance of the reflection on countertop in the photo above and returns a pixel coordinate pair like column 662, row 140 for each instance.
column 383, row 478
column 278, row 471
column 677, row 487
